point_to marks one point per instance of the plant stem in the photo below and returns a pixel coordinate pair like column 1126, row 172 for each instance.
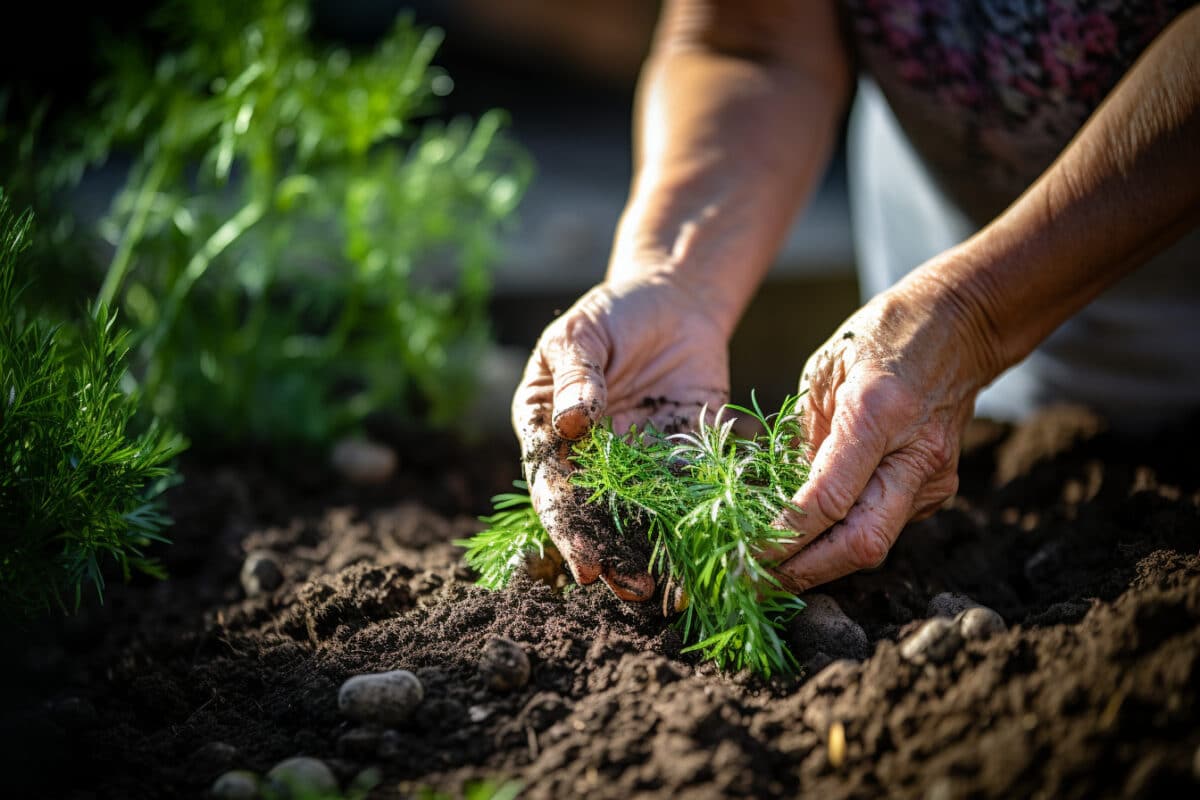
column 122, row 259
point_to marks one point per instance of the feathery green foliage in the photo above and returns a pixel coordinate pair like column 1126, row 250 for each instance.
column 298, row 244
column 707, row 500
column 513, row 534
column 77, row 489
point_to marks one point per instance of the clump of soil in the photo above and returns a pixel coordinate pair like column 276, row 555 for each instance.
column 1085, row 544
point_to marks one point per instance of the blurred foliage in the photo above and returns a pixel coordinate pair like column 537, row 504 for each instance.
column 77, row 490
column 298, row 243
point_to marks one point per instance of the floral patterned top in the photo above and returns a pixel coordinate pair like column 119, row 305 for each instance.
column 991, row 91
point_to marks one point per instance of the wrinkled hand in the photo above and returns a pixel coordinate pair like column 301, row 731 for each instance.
column 639, row 351
column 887, row 399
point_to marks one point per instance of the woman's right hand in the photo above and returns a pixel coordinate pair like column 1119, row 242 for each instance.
column 641, row 350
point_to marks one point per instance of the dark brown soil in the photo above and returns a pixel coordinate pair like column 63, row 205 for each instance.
column 1085, row 544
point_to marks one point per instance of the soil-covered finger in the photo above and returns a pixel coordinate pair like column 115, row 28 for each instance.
column 585, row 533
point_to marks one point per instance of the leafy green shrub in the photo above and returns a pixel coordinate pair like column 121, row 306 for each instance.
column 707, row 501
column 76, row 488
column 297, row 244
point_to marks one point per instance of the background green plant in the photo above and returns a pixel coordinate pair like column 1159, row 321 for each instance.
column 77, row 488
column 298, row 244
column 708, row 501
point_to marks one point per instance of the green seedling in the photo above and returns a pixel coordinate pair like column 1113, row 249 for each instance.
column 299, row 243
column 707, row 500
column 78, row 490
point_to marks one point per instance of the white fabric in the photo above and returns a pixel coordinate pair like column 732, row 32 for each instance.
column 1133, row 354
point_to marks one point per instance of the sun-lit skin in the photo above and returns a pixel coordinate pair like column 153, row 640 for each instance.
column 738, row 108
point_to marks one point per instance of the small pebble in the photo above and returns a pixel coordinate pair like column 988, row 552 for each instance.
column 949, row 604
column 980, row 623
column 385, row 698
column 302, row 776
column 238, row 784
column 261, row 574
column 936, row 641
column 504, row 664
column 837, row 745
column 363, row 461
column 824, row 627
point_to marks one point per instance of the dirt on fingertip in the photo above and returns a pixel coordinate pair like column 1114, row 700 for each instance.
column 1086, row 545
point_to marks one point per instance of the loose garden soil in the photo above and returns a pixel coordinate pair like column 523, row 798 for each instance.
column 1084, row 543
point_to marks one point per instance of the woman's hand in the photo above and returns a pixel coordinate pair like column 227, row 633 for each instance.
column 887, row 399
column 639, row 351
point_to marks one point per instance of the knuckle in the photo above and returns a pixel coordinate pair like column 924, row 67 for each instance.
column 868, row 546
column 941, row 448
column 834, row 502
column 936, row 492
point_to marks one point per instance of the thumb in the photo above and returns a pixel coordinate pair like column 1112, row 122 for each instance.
column 841, row 469
column 576, row 360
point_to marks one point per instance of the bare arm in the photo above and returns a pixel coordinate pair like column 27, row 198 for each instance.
column 887, row 405
column 738, row 107
column 1126, row 186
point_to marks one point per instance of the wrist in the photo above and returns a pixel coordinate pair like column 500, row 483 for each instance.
column 959, row 297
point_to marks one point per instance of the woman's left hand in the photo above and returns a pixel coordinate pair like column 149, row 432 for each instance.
column 887, row 398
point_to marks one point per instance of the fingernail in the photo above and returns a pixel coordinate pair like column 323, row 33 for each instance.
column 633, row 588
column 572, row 423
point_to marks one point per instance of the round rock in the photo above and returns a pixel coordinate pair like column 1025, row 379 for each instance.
column 363, row 461
column 980, row 623
column 238, row 784
column 383, row 698
column 824, row 627
column 504, row 664
column 936, row 641
column 260, row 574
column 302, row 776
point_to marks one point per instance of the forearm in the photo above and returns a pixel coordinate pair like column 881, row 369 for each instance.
column 1126, row 186
column 736, row 120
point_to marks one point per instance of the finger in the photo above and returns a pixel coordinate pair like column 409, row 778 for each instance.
column 575, row 358
column 813, row 418
column 533, row 401
column 547, row 469
column 632, row 585
column 843, row 465
column 863, row 540
column 553, row 498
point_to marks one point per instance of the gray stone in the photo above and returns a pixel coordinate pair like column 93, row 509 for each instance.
column 949, row 604
column 384, row 698
column 362, row 461
column 260, row 573
column 504, row 664
column 238, row 784
column 936, row 641
column 980, row 623
column 302, row 776
column 824, row 627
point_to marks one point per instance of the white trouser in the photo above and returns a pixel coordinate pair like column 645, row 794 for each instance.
column 1133, row 354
